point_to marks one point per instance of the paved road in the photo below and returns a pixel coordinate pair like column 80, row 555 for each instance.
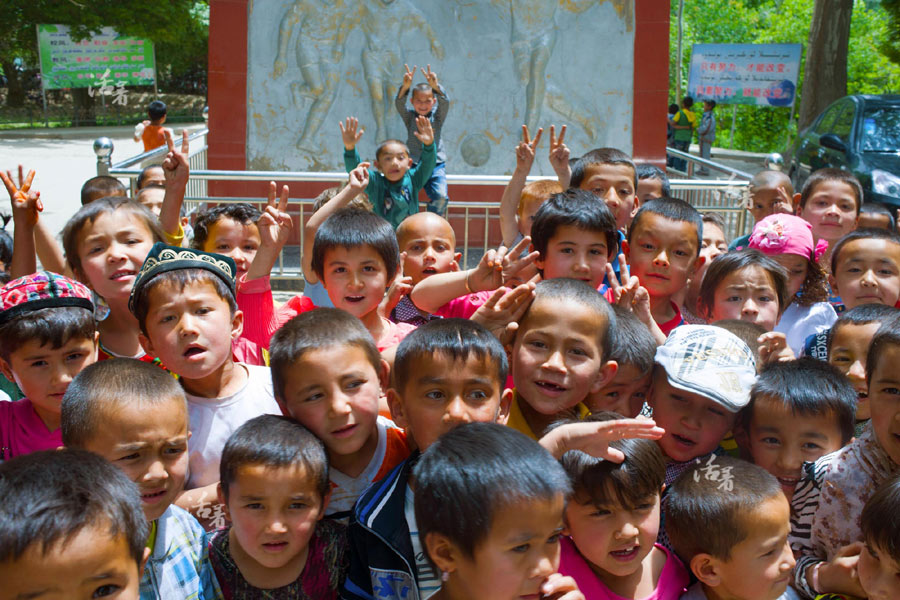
column 64, row 159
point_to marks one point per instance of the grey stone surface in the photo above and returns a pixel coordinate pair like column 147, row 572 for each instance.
column 503, row 63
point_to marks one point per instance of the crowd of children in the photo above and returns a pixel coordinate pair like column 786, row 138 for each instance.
column 613, row 404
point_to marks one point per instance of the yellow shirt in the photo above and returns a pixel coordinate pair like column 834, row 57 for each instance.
column 517, row 419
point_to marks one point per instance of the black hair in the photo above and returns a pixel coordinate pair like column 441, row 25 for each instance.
column 601, row 156
column 177, row 279
column 603, row 482
column 156, row 110
column 879, row 523
column 89, row 213
column 576, row 208
column 101, row 186
column 6, row 244
column 381, row 147
column 110, row 383
column 563, row 288
column 631, row 341
column 831, row 174
column 725, row 264
column 143, row 175
column 703, row 517
column 274, row 441
column 862, row 234
column 421, row 87
column 672, row 209
column 456, row 339
column 673, row 108
column 807, row 386
column 314, row 330
column 51, row 496
column 240, row 212
column 712, row 103
column 877, row 208
column 353, row 228
column 648, row 171
column 687, row 101
column 864, row 314
column 54, row 326
column 474, row 472
column 887, row 335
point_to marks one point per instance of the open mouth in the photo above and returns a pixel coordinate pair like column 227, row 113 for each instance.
column 152, row 497
column 344, row 431
column 193, row 351
column 275, row 546
column 789, row 482
column 122, row 274
column 429, row 271
column 549, row 386
column 680, row 439
column 625, row 554
column 354, row 299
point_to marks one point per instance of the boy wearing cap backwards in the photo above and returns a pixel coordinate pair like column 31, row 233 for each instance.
column 47, row 336
column 185, row 305
column 701, row 379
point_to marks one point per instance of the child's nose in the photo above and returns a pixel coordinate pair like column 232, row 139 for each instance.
column 662, row 258
column 555, row 361
column 869, row 278
column 857, row 370
column 750, row 308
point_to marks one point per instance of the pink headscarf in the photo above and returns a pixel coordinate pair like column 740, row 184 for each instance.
column 783, row 234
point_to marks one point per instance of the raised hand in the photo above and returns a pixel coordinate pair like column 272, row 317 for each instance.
column 400, row 286
column 594, row 437
column 488, row 275
column 351, row 132
column 408, row 76
column 514, row 263
column 773, row 347
column 431, row 77
column 359, row 178
column 502, row 311
column 175, row 165
column 559, row 152
column 560, row 587
column 26, row 203
column 525, row 151
column 425, row 133
column 275, row 224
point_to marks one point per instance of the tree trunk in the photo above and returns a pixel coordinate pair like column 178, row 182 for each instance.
column 84, row 107
column 825, row 76
column 15, row 90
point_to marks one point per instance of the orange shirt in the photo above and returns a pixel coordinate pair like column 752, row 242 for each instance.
column 153, row 137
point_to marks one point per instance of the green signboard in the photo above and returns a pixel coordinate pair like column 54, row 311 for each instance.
column 107, row 61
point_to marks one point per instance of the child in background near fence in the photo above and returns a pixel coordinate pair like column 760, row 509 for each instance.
column 770, row 192
column 706, row 133
column 789, row 241
column 429, row 100
column 101, row 186
column 394, row 184
column 151, row 131
column 612, row 521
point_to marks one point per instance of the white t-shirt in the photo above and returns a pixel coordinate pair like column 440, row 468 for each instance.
column 799, row 322
column 426, row 574
column 213, row 420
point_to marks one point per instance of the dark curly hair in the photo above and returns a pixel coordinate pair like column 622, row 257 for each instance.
column 815, row 286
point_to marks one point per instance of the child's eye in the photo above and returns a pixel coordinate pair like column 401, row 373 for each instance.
column 716, row 411
column 133, row 241
column 75, row 356
column 553, row 539
column 339, row 270
column 566, row 251
column 625, row 192
column 765, row 298
column 612, row 395
column 890, row 390
column 435, row 395
column 95, row 250
column 297, row 505
column 578, row 351
column 313, row 398
column 770, row 441
column 175, row 450
column 647, row 246
column 597, row 252
column 537, row 344
column 733, row 299
column 601, row 512
column 478, row 395
column 39, row 363
column 369, row 269
column 416, row 248
column 167, row 318
column 254, row 505
column 521, row 548
column 355, row 384
column 203, row 310
column 644, row 506
column 680, row 253
column 105, row 590
column 812, row 447
column 223, row 247
column 132, row 456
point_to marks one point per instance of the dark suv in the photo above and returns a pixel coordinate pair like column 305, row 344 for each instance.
column 857, row 133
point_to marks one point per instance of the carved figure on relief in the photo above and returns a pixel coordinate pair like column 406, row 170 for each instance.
column 383, row 23
column 322, row 30
column 532, row 39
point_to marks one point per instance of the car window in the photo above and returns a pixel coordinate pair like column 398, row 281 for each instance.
column 843, row 125
column 881, row 129
column 828, row 118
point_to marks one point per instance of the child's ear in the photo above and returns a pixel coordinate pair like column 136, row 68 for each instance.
column 384, row 374
column 444, row 553
column 220, row 494
column 797, row 204
column 396, row 406
column 146, row 344
column 605, row 375
column 454, row 266
column 506, row 399
column 6, row 369
column 626, row 249
column 144, row 560
column 237, row 324
column 539, row 261
column 706, row 568
column 325, row 502
column 834, row 287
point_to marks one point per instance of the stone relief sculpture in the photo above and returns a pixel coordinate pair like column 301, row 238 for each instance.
column 321, row 35
column 382, row 23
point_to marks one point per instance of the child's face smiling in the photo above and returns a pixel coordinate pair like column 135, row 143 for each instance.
column 112, row 250
column 849, row 348
column 190, row 330
column 879, row 573
column 884, row 401
column 747, row 294
column 443, row 393
column 781, row 441
column 240, row 241
column 150, row 444
column 393, row 162
column 89, row 564
column 694, row 424
column 557, row 358
column 423, row 102
column 867, row 271
column 333, row 391
column 613, row 539
column 576, row 253
column 274, row 512
column 759, row 567
column 662, row 254
column 518, row 554
column 355, row 279
column 615, row 184
column 43, row 373
column 831, row 210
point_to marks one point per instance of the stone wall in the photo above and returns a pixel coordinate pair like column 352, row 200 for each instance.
column 503, row 63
